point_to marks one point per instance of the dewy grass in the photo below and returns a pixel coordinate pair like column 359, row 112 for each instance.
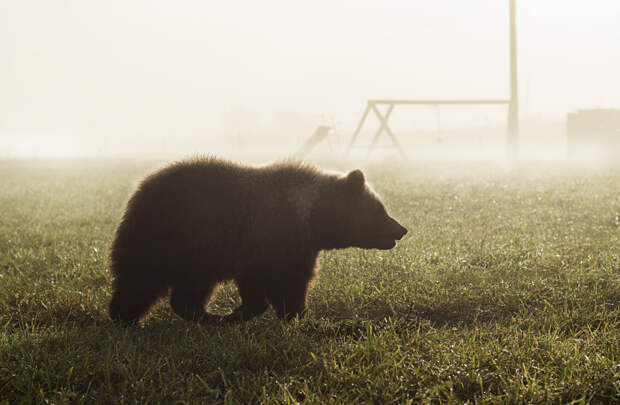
column 505, row 290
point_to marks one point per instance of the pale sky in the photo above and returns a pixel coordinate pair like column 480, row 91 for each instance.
column 159, row 66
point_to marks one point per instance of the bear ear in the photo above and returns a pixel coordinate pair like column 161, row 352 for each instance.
column 356, row 180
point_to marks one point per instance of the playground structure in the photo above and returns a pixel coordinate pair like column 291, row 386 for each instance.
column 383, row 119
column 319, row 135
column 512, row 102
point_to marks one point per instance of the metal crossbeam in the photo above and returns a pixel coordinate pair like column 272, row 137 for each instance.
column 383, row 119
column 438, row 102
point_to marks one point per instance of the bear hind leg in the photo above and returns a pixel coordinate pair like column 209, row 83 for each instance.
column 131, row 301
column 190, row 304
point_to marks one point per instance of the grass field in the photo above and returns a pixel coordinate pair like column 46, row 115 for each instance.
column 505, row 290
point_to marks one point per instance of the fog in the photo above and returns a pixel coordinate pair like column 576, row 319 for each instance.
column 160, row 77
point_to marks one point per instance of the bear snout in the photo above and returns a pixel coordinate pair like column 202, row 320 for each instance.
column 403, row 232
column 399, row 230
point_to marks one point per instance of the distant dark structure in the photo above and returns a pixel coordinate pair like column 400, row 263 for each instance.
column 593, row 130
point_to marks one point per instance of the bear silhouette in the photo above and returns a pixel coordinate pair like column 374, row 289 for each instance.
column 200, row 222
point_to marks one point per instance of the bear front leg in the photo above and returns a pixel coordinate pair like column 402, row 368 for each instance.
column 288, row 296
column 254, row 301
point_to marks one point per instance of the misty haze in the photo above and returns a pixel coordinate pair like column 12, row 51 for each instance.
column 154, row 78
column 366, row 201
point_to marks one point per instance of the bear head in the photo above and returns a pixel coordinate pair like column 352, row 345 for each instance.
column 351, row 214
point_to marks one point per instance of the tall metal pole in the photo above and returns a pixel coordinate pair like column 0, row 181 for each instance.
column 513, row 107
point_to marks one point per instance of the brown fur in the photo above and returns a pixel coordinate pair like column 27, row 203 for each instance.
column 199, row 222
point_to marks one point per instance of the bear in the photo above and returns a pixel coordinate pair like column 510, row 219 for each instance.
column 202, row 221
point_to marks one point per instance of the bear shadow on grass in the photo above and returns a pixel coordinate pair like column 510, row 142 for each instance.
column 454, row 313
column 459, row 314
